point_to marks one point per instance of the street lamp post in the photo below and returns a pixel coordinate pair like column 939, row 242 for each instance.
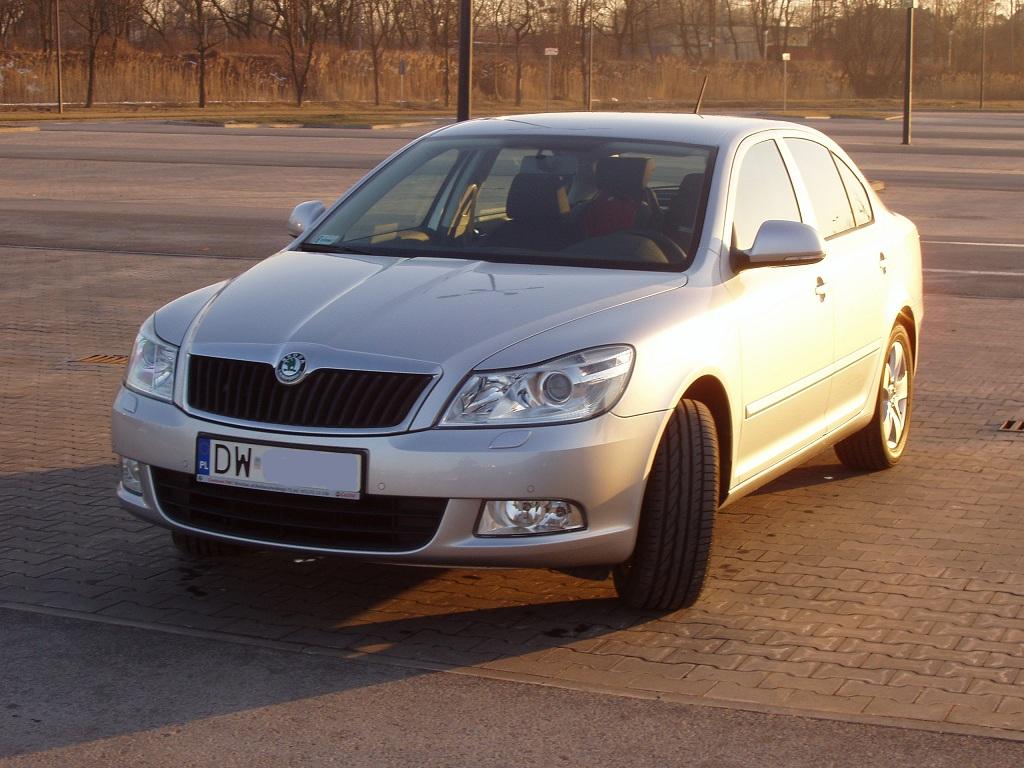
column 60, row 63
column 465, row 59
column 984, row 28
column 908, row 72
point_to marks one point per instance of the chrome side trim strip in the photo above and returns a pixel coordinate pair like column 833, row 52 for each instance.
column 780, row 396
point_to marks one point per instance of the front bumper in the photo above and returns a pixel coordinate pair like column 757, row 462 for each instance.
column 601, row 464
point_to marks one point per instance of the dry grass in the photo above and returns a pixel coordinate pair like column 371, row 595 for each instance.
column 345, row 77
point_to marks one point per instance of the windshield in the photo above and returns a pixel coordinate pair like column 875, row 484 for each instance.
column 577, row 201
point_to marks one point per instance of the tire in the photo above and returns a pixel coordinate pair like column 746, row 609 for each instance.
column 199, row 548
column 881, row 443
column 667, row 569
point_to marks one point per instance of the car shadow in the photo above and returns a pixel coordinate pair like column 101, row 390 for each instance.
column 70, row 551
column 823, row 469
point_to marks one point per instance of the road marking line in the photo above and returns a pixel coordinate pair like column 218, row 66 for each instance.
column 976, row 272
column 959, row 242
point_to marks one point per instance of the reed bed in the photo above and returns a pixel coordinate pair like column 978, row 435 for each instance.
column 131, row 76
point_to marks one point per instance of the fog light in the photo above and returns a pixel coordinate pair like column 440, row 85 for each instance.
column 519, row 517
column 131, row 476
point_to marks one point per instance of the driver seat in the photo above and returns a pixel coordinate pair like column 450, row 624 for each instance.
column 538, row 207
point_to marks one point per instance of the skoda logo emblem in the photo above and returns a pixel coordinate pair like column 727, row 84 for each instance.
column 292, row 368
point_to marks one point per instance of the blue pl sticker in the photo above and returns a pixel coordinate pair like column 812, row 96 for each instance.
column 203, row 456
column 325, row 239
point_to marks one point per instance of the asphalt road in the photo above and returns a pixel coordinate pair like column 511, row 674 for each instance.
column 180, row 189
column 80, row 693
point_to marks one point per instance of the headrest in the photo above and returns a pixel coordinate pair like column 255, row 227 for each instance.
column 624, row 176
column 682, row 210
column 536, row 196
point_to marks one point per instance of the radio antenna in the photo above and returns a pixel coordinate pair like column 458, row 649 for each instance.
column 700, row 96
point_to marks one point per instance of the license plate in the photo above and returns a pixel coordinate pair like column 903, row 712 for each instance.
column 334, row 474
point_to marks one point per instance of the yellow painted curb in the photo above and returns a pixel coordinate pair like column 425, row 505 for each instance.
column 18, row 128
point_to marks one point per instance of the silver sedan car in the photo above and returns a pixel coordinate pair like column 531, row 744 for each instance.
column 559, row 341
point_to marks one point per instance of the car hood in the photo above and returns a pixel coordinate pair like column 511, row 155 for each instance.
column 422, row 314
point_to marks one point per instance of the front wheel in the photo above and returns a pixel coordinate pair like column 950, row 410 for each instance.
column 880, row 444
column 667, row 569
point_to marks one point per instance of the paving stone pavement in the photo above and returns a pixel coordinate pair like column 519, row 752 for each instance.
column 894, row 595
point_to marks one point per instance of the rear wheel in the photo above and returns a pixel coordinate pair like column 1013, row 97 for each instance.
column 880, row 444
column 198, row 548
column 667, row 569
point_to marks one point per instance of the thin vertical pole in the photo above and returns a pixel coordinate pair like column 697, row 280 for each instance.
column 547, row 97
column 60, row 63
column 785, row 82
column 590, row 64
column 465, row 59
column 984, row 28
column 908, row 74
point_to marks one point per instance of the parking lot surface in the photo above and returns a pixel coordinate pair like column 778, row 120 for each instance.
column 895, row 597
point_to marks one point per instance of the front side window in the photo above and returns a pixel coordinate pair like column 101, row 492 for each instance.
column 763, row 192
column 825, row 187
column 575, row 201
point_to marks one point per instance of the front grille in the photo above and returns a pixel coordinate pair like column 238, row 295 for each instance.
column 371, row 524
column 330, row 398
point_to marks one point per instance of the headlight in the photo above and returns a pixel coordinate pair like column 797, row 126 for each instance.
column 151, row 365
column 570, row 388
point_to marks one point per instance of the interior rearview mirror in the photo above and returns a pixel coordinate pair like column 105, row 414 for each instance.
column 304, row 215
column 783, row 243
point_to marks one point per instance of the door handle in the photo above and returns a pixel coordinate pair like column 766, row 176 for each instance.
column 821, row 289
column 883, row 263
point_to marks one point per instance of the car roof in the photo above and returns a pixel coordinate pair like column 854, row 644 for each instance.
column 710, row 130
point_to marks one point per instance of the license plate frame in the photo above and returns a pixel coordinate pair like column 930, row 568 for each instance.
column 351, row 462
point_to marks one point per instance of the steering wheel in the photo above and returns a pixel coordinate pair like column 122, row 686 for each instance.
column 668, row 246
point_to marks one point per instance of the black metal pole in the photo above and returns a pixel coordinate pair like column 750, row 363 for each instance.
column 465, row 59
column 908, row 73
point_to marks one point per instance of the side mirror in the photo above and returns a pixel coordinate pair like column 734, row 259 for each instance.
column 783, row 243
column 304, row 215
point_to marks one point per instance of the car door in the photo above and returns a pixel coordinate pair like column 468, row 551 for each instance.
column 856, row 273
column 785, row 323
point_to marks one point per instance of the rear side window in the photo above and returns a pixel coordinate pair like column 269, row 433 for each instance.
column 763, row 192
column 825, row 187
column 859, row 200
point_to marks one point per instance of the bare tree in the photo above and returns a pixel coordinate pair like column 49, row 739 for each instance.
column 380, row 21
column 92, row 17
column 241, row 18
column 299, row 24
column 520, row 19
column 199, row 19
column 11, row 12
column 867, row 45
